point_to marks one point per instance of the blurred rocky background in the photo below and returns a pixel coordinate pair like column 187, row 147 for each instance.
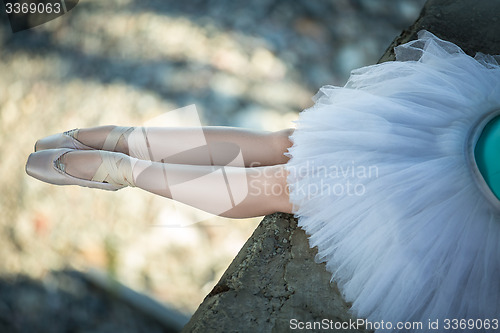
column 252, row 64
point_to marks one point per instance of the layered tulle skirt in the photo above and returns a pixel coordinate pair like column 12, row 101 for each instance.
column 383, row 179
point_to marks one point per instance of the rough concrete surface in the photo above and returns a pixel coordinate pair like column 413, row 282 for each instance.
column 272, row 280
column 274, row 277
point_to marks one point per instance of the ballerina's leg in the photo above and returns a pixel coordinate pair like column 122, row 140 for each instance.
column 227, row 191
column 195, row 145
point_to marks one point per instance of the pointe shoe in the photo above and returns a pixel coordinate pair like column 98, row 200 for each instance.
column 113, row 174
column 61, row 140
column 69, row 139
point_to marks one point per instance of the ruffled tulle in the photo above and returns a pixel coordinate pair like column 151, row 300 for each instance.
column 381, row 179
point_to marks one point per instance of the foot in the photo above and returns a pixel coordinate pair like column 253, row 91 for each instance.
column 113, row 171
column 115, row 168
column 109, row 138
column 81, row 164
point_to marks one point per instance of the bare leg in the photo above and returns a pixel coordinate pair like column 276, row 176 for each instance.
column 226, row 191
column 210, row 145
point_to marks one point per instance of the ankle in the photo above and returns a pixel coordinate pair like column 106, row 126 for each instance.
column 93, row 136
column 122, row 144
column 96, row 137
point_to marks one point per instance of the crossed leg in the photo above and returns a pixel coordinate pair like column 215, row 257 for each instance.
column 177, row 144
column 255, row 187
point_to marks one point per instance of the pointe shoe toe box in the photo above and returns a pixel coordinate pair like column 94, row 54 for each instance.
column 60, row 140
column 40, row 165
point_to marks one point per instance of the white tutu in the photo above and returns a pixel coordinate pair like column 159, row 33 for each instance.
column 381, row 178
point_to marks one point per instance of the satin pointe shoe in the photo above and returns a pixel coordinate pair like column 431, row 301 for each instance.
column 66, row 139
column 69, row 139
column 114, row 173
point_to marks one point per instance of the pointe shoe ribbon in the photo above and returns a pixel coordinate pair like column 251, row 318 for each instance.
column 116, row 168
column 114, row 136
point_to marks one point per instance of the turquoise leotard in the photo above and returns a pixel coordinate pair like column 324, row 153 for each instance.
column 487, row 155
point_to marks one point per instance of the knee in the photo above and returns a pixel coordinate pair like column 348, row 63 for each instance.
column 284, row 136
column 281, row 140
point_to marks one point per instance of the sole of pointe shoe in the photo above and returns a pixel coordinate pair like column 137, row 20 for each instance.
column 40, row 165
